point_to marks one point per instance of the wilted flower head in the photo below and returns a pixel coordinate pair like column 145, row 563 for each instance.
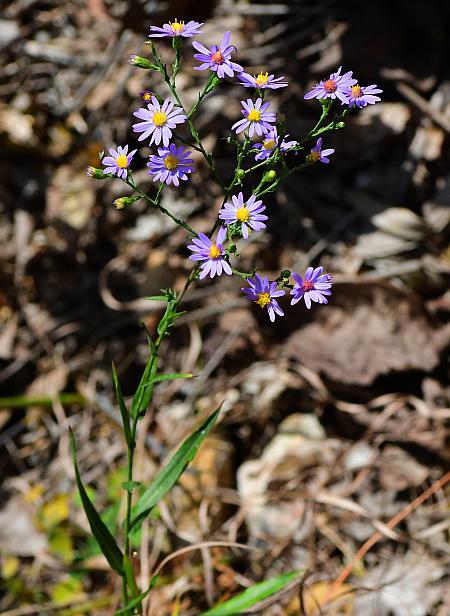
column 270, row 142
column 262, row 81
column 335, row 86
column 313, row 287
column 247, row 213
column 176, row 28
column 359, row 96
column 118, row 161
column 171, row 165
column 317, row 154
column 256, row 118
column 262, row 292
column 158, row 121
column 211, row 253
column 94, row 172
column 217, row 58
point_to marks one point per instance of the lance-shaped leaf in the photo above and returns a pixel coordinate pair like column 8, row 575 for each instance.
column 101, row 533
column 137, row 600
column 123, row 410
column 171, row 376
column 251, row 596
column 144, row 391
column 169, row 475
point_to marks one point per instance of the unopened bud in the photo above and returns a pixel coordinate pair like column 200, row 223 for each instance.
column 340, row 125
column 95, row 173
column 286, row 274
column 141, row 62
column 123, row 202
column 270, row 176
column 240, row 174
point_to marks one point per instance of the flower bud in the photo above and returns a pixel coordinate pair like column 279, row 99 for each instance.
column 141, row 62
column 269, row 176
column 240, row 174
column 123, row 202
column 286, row 274
column 340, row 125
column 97, row 174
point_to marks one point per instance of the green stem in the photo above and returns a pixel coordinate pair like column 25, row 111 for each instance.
column 156, row 203
column 208, row 157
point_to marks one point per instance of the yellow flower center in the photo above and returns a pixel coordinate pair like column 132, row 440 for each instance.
column 254, row 115
column 242, row 214
column 262, row 79
column 214, row 251
column 122, row 161
column 177, row 26
column 171, row 162
column 217, row 58
column 159, row 118
column 313, row 158
column 269, row 144
column 263, row 299
column 356, row 91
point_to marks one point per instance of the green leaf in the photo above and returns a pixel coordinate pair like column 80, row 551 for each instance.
column 137, row 600
column 104, row 538
column 173, row 375
column 144, row 391
column 169, row 475
column 156, row 298
column 251, row 596
column 123, row 410
column 130, row 486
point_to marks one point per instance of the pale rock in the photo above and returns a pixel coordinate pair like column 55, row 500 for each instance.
column 286, row 456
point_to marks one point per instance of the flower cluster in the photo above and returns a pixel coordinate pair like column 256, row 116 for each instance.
column 345, row 87
column 264, row 138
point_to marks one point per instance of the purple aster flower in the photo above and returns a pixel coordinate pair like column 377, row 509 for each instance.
column 211, row 253
column 313, row 287
column 270, row 142
column 335, row 86
column 146, row 95
column 262, row 81
column 158, row 121
column 172, row 165
column 118, row 161
column 217, row 58
column 176, row 28
column 248, row 214
column 256, row 118
column 361, row 96
column 262, row 292
column 317, row 154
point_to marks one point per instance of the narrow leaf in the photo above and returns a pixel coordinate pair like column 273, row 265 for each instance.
column 173, row 375
column 123, row 410
column 144, row 391
column 137, row 600
column 169, row 475
column 251, row 596
column 105, row 540
column 129, row 575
